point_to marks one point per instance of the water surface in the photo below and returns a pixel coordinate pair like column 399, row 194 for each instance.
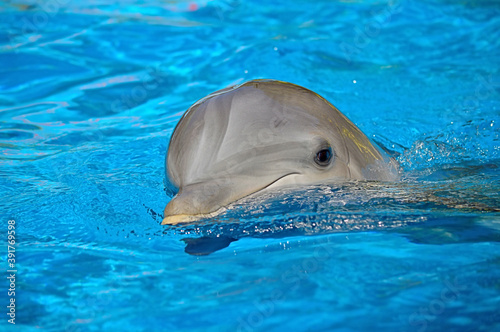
column 90, row 93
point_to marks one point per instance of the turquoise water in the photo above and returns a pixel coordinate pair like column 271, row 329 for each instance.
column 90, row 93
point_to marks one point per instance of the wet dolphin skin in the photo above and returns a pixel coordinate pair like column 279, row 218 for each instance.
column 260, row 135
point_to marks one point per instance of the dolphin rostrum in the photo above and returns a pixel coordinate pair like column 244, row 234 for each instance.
column 259, row 135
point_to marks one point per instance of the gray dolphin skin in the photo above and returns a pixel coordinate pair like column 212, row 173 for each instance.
column 261, row 135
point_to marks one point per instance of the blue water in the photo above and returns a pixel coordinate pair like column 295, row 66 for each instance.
column 90, row 92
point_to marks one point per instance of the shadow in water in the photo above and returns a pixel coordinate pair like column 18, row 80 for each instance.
column 206, row 245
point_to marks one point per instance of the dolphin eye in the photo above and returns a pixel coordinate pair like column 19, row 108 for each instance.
column 324, row 156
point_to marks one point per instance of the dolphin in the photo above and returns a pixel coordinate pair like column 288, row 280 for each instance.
column 261, row 135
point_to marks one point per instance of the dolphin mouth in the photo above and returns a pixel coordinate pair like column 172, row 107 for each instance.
column 188, row 218
column 274, row 183
column 182, row 218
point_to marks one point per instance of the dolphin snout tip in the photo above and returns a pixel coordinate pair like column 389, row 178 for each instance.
column 178, row 219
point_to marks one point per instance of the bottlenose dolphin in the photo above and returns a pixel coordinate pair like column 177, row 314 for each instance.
column 260, row 135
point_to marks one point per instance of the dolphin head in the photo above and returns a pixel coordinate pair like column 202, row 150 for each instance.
column 258, row 135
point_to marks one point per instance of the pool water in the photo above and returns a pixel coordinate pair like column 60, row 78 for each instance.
column 90, row 92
